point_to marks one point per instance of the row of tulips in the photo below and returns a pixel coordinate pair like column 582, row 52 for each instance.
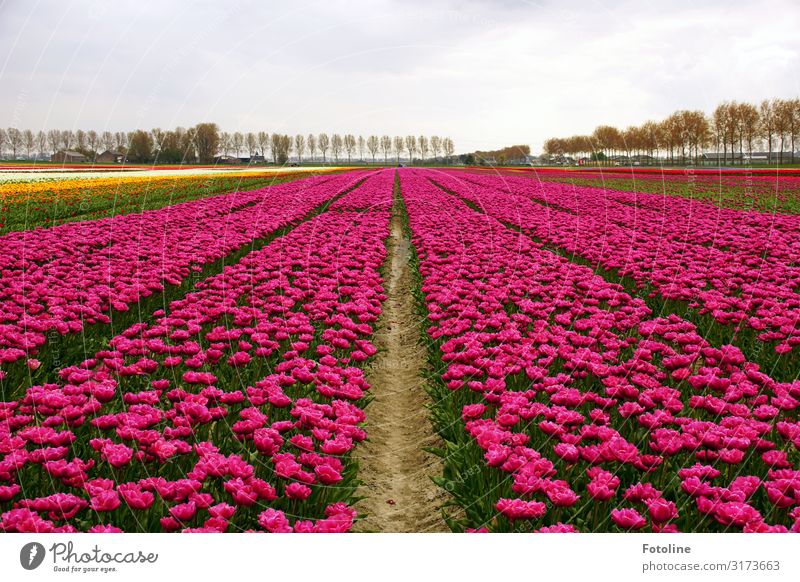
column 762, row 190
column 58, row 280
column 46, row 203
column 678, row 219
column 565, row 405
column 375, row 195
column 236, row 409
column 737, row 267
column 763, row 234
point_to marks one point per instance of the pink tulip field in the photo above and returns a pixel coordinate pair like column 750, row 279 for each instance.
column 232, row 410
column 565, row 403
column 735, row 272
column 597, row 360
column 58, row 280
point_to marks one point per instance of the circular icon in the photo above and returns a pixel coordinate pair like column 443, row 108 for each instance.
column 31, row 555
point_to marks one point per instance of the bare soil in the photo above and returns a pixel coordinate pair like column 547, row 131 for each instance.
column 399, row 495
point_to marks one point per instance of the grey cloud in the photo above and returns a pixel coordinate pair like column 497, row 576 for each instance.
column 487, row 73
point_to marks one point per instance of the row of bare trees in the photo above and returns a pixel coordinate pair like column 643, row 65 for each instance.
column 340, row 146
column 16, row 141
column 732, row 127
column 204, row 141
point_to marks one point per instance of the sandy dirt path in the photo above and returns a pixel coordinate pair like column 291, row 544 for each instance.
column 395, row 470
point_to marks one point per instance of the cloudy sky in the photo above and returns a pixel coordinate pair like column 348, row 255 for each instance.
column 487, row 73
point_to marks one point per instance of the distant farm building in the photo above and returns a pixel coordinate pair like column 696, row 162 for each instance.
column 67, row 157
column 226, row 160
column 110, row 157
column 525, row 160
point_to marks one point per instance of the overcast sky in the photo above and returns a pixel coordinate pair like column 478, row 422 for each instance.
column 487, row 73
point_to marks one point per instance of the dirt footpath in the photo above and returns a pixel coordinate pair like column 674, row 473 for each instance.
column 396, row 471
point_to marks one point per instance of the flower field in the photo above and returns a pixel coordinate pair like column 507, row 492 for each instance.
column 763, row 190
column 736, row 271
column 567, row 404
column 598, row 360
column 61, row 279
column 40, row 202
column 186, row 422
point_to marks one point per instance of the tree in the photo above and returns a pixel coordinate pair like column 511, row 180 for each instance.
column 206, row 141
column 337, row 143
column 607, row 139
column 41, row 142
column 3, row 140
column 748, row 118
column 669, row 134
column 157, row 137
column 121, row 139
column 766, row 124
column 80, row 141
column 424, row 147
column 251, row 143
column 731, row 128
column 361, row 147
column 743, row 114
column 436, row 146
column 411, row 147
column 700, row 132
column 448, row 148
column 225, row 142
column 67, row 138
column 724, row 123
column 285, row 149
column 555, row 146
column 783, row 122
column 108, row 140
column 54, row 138
column 14, row 141
column 140, row 147
column 515, row 152
column 630, row 140
column 263, row 143
column 237, row 141
column 92, row 140
column 690, row 130
column 386, row 147
column 399, row 144
column 650, row 137
column 29, row 140
column 324, row 142
column 168, row 144
column 794, row 123
column 349, row 146
column 312, row 146
column 299, row 146
column 187, row 144
column 373, row 143
column 276, row 146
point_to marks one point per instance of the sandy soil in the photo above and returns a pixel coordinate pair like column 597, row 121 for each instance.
column 396, row 471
